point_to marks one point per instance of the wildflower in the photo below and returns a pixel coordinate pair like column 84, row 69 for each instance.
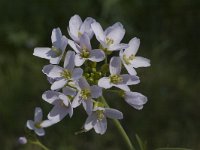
column 85, row 95
column 97, row 119
column 55, row 53
column 129, row 59
column 63, row 75
column 135, row 99
column 115, row 79
column 77, row 28
column 22, row 140
column 37, row 125
column 110, row 38
column 84, row 51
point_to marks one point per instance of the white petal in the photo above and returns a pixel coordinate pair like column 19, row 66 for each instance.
column 55, row 60
column 109, row 29
column 89, row 123
column 123, row 87
column 86, row 27
column 133, row 80
column 85, row 42
column 69, row 91
column 83, row 84
column 140, row 62
column 77, row 73
column 130, row 69
column 64, row 99
column 52, row 71
column 40, row 131
column 96, row 91
column 74, row 25
column 104, row 83
column 88, row 105
column 38, row 114
column 101, row 126
column 64, row 42
column 117, row 33
column 117, row 47
column 113, row 113
column 56, row 37
column 50, row 96
column 115, row 66
column 96, row 55
column 73, row 46
column 79, row 60
column 42, row 52
column 98, row 31
column 69, row 60
column 77, row 101
column 133, row 47
column 58, row 84
column 30, row 124
column 46, row 123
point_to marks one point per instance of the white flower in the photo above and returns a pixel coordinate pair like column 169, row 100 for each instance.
column 62, row 105
column 97, row 119
column 135, row 99
column 77, row 28
column 115, row 79
column 85, row 95
column 129, row 59
column 37, row 125
column 22, row 140
column 110, row 38
column 63, row 75
column 84, row 51
column 55, row 53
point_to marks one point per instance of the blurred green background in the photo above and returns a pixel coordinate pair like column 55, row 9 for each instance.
column 170, row 35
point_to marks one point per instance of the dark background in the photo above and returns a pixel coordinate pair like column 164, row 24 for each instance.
column 169, row 31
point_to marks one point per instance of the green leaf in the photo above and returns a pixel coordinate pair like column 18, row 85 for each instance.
column 141, row 144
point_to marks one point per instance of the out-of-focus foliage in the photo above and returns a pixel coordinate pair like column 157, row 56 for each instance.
column 170, row 34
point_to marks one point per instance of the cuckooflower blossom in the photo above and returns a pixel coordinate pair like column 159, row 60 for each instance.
column 97, row 119
column 62, row 105
column 129, row 59
column 77, row 28
column 117, row 80
column 37, row 125
column 135, row 99
column 84, row 51
column 110, row 38
column 85, row 95
column 63, row 75
column 55, row 53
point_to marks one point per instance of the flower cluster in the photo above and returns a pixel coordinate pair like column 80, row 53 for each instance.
column 87, row 73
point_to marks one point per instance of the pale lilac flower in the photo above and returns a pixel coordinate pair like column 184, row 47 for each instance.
column 38, row 124
column 117, row 80
column 85, row 52
column 22, row 140
column 85, row 95
column 129, row 59
column 97, row 119
column 77, row 28
column 62, row 105
column 110, row 38
column 135, row 99
column 55, row 53
column 63, row 75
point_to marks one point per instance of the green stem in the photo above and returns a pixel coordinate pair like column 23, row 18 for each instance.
column 120, row 129
column 38, row 143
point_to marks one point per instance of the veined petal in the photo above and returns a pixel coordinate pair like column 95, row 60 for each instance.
column 101, row 126
column 96, row 91
column 39, row 131
column 86, row 27
column 83, row 84
column 89, row 123
column 85, row 42
column 88, row 105
column 77, row 73
column 75, row 23
column 96, row 55
column 52, row 71
column 30, row 124
column 113, row 113
column 133, row 47
column 115, row 66
column 50, row 96
column 117, row 47
column 140, row 62
column 58, row 84
column 56, row 37
column 104, row 83
column 79, row 60
column 69, row 60
column 98, row 31
column 42, row 52
column 38, row 114
column 73, row 46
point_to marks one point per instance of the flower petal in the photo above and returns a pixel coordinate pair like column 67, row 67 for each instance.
column 133, row 47
column 52, row 71
column 46, row 123
column 74, row 25
column 43, row 52
column 38, row 114
column 130, row 69
column 83, row 84
column 123, row 87
column 50, row 96
column 58, row 84
column 69, row 60
column 30, row 124
column 113, row 113
column 69, row 91
column 98, row 31
column 133, row 80
column 88, row 105
column 89, row 123
column 104, row 83
column 79, row 60
column 96, row 91
column 101, row 126
column 140, row 62
column 96, row 55
column 73, row 46
column 86, row 27
column 77, row 73
column 56, row 37
column 77, row 101
column 115, row 66
column 117, row 47
column 85, row 42
column 39, row 131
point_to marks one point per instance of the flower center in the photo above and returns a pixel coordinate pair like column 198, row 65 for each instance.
column 100, row 114
column 79, row 34
column 85, row 94
column 109, row 41
column 115, row 79
column 37, row 125
column 66, row 74
column 57, row 51
column 128, row 59
column 85, row 52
